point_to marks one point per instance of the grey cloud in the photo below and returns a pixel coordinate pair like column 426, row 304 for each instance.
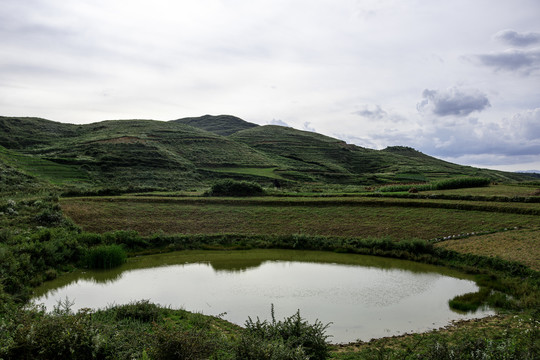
column 517, row 136
column 512, row 139
column 518, row 39
column 524, row 61
column 452, row 102
column 374, row 114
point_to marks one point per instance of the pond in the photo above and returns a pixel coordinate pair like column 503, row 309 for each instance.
column 363, row 297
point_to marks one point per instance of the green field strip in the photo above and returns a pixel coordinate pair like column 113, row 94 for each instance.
column 44, row 169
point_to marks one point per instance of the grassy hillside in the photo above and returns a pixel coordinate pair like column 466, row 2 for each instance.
column 316, row 157
column 135, row 152
column 413, row 163
column 193, row 152
column 221, row 124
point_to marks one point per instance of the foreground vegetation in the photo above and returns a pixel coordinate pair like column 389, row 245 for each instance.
column 490, row 232
column 37, row 243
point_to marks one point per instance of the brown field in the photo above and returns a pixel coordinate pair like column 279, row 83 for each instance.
column 517, row 245
column 374, row 218
column 493, row 190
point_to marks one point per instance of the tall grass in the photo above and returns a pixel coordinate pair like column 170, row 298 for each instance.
column 461, row 182
column 105, row 257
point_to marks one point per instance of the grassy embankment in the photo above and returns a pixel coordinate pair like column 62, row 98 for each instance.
column 49, row 244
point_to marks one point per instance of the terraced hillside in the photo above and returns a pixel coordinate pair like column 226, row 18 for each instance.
column 193, row 152
column 221, row 124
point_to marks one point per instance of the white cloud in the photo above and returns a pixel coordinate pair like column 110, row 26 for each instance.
column 349, row 67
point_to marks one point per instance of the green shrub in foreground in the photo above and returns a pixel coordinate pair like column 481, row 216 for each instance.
column 174, row 342
column 291, row 338
column 105, row 257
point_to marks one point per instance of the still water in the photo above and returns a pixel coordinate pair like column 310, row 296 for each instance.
column 363, row 297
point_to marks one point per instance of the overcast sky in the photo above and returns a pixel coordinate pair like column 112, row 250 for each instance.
column 456, row 79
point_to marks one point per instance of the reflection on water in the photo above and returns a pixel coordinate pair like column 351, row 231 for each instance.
column 364, row 297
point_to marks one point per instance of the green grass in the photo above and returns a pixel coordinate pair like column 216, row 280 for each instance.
column 502, row 337
column 50, row 171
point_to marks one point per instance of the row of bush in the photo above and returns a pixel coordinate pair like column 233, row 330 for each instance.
column 516, row 199
column 229, row 187
column 455, row 183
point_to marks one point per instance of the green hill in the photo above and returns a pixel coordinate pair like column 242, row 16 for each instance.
column 221, row 124
column 322, row 158
column 195, row 151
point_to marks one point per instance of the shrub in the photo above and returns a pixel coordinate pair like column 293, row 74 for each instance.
column 253, row 348
column 471, row 301
column 405, row 187
column 143, row 310
column 173, row 342
column 61, row 335
column 294, row 332
column 235, row 188
column 105, row 257
column 49, row 217
column 130, row 239
column 461, row 182
column 89, row 239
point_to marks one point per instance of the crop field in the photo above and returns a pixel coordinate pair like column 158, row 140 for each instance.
column 394, row 218
column 517, row 245
column 494, row 190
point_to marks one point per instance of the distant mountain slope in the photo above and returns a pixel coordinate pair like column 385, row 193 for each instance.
column 20, row 132
column 416, row 162
column 315, row 155
column 324, row 158
column 221, row 124
column 175, row 155
column 136, row 152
